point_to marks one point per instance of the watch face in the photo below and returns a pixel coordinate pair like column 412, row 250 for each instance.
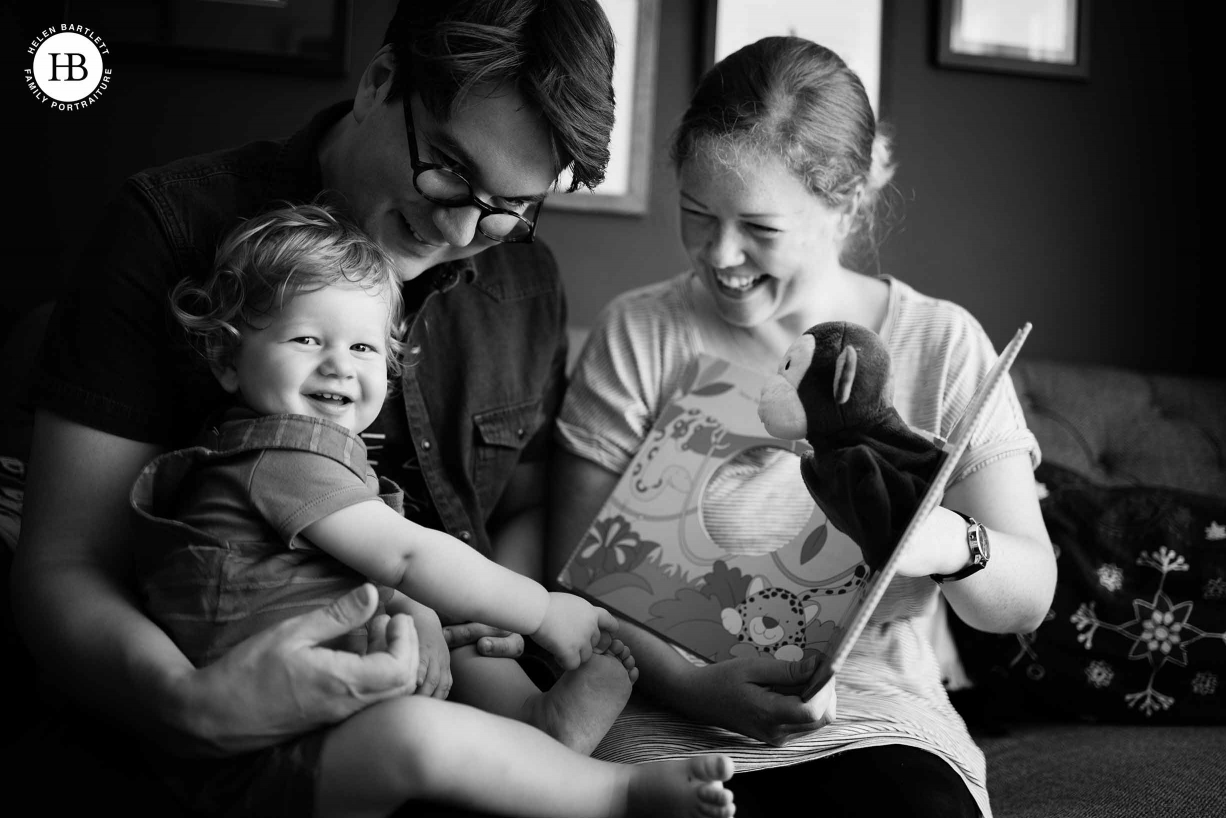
column 982, row 550
column 977, row 541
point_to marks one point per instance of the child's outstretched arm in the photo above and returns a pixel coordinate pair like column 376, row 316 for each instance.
column 443, row 573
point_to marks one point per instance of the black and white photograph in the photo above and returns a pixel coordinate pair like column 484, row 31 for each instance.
column 612, row 408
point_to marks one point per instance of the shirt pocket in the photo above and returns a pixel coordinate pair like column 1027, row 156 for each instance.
column 501, row 435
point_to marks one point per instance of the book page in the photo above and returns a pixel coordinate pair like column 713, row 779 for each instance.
column 648, row 556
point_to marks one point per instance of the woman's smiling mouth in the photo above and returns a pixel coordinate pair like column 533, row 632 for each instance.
column 737, row 285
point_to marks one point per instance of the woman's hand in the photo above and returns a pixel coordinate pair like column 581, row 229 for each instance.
column 280, row 683
column 749, row 696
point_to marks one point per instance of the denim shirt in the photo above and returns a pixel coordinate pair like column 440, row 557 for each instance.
column 220, row 553
column 485, row 353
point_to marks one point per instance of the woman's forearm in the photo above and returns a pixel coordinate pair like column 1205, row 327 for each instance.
column 1014, row 592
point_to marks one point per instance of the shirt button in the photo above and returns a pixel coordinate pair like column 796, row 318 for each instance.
column 425, row 444
column 519, row 432
column 466, row 535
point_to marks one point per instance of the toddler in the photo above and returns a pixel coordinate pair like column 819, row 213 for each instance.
column 275, row 512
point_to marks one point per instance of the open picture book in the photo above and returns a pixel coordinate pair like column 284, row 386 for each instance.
column 648, row 557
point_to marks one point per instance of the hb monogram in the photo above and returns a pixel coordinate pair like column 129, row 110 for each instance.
column 70, row 65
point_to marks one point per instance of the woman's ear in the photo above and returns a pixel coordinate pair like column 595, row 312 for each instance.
column 847, row 219
column 843, row 228
column 375, row 83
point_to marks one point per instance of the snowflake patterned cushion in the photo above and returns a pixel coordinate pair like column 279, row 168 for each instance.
column 1137, row 629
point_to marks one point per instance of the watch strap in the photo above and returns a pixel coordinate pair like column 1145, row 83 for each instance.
column 977, row 542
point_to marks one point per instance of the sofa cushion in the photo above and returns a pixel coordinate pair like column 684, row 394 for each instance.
column 1121, row 427
column 1095, row 771
column 1136, row 631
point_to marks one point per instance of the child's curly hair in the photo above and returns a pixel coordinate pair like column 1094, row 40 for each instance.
column 270, row 258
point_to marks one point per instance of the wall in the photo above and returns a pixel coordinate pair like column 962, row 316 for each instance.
column 1076, row 206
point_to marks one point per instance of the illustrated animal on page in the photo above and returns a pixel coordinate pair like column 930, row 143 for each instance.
column 868, row 470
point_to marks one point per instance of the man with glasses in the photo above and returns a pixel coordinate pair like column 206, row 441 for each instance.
column 446, row 186
column 459, row 128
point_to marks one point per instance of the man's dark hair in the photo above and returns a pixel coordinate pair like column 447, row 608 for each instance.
column 557, row 53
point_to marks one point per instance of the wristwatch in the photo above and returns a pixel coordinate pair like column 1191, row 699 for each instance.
column 977, row 541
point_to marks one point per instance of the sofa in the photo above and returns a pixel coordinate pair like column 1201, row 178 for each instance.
column 1116, row 705
column 1113, row 707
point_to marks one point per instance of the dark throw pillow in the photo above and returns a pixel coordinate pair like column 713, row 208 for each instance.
column 1137, row 629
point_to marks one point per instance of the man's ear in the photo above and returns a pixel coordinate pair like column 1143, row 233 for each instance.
column 375, row 83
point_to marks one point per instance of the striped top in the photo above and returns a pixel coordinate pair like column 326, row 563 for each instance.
column 889, row 691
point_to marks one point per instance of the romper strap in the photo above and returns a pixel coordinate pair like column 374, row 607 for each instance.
column 295, row 432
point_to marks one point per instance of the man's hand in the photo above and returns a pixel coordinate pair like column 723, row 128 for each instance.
column 744, row 695
column 573, row 629
column 280, row 683
column 490, row 641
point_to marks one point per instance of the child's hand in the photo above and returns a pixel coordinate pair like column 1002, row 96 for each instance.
column 434, row 656
column 573, row 629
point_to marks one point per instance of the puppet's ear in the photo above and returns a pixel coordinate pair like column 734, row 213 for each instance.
column 844, row 374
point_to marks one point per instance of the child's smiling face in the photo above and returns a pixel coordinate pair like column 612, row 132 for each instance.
column 323, row 354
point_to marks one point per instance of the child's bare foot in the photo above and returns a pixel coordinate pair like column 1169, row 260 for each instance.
column 691, row 788
column 583, row 703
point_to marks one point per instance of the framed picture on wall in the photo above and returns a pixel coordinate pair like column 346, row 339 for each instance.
column 1046, row 38
column 294, row 37
column 850, row 29
column 628, row 177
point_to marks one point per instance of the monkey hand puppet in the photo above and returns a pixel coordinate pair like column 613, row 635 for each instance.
column 868, row 470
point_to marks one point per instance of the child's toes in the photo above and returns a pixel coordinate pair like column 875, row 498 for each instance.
column 621, row 651
column 715, row 801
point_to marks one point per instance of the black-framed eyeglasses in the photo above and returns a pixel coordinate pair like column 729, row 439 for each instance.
column 443, row 186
